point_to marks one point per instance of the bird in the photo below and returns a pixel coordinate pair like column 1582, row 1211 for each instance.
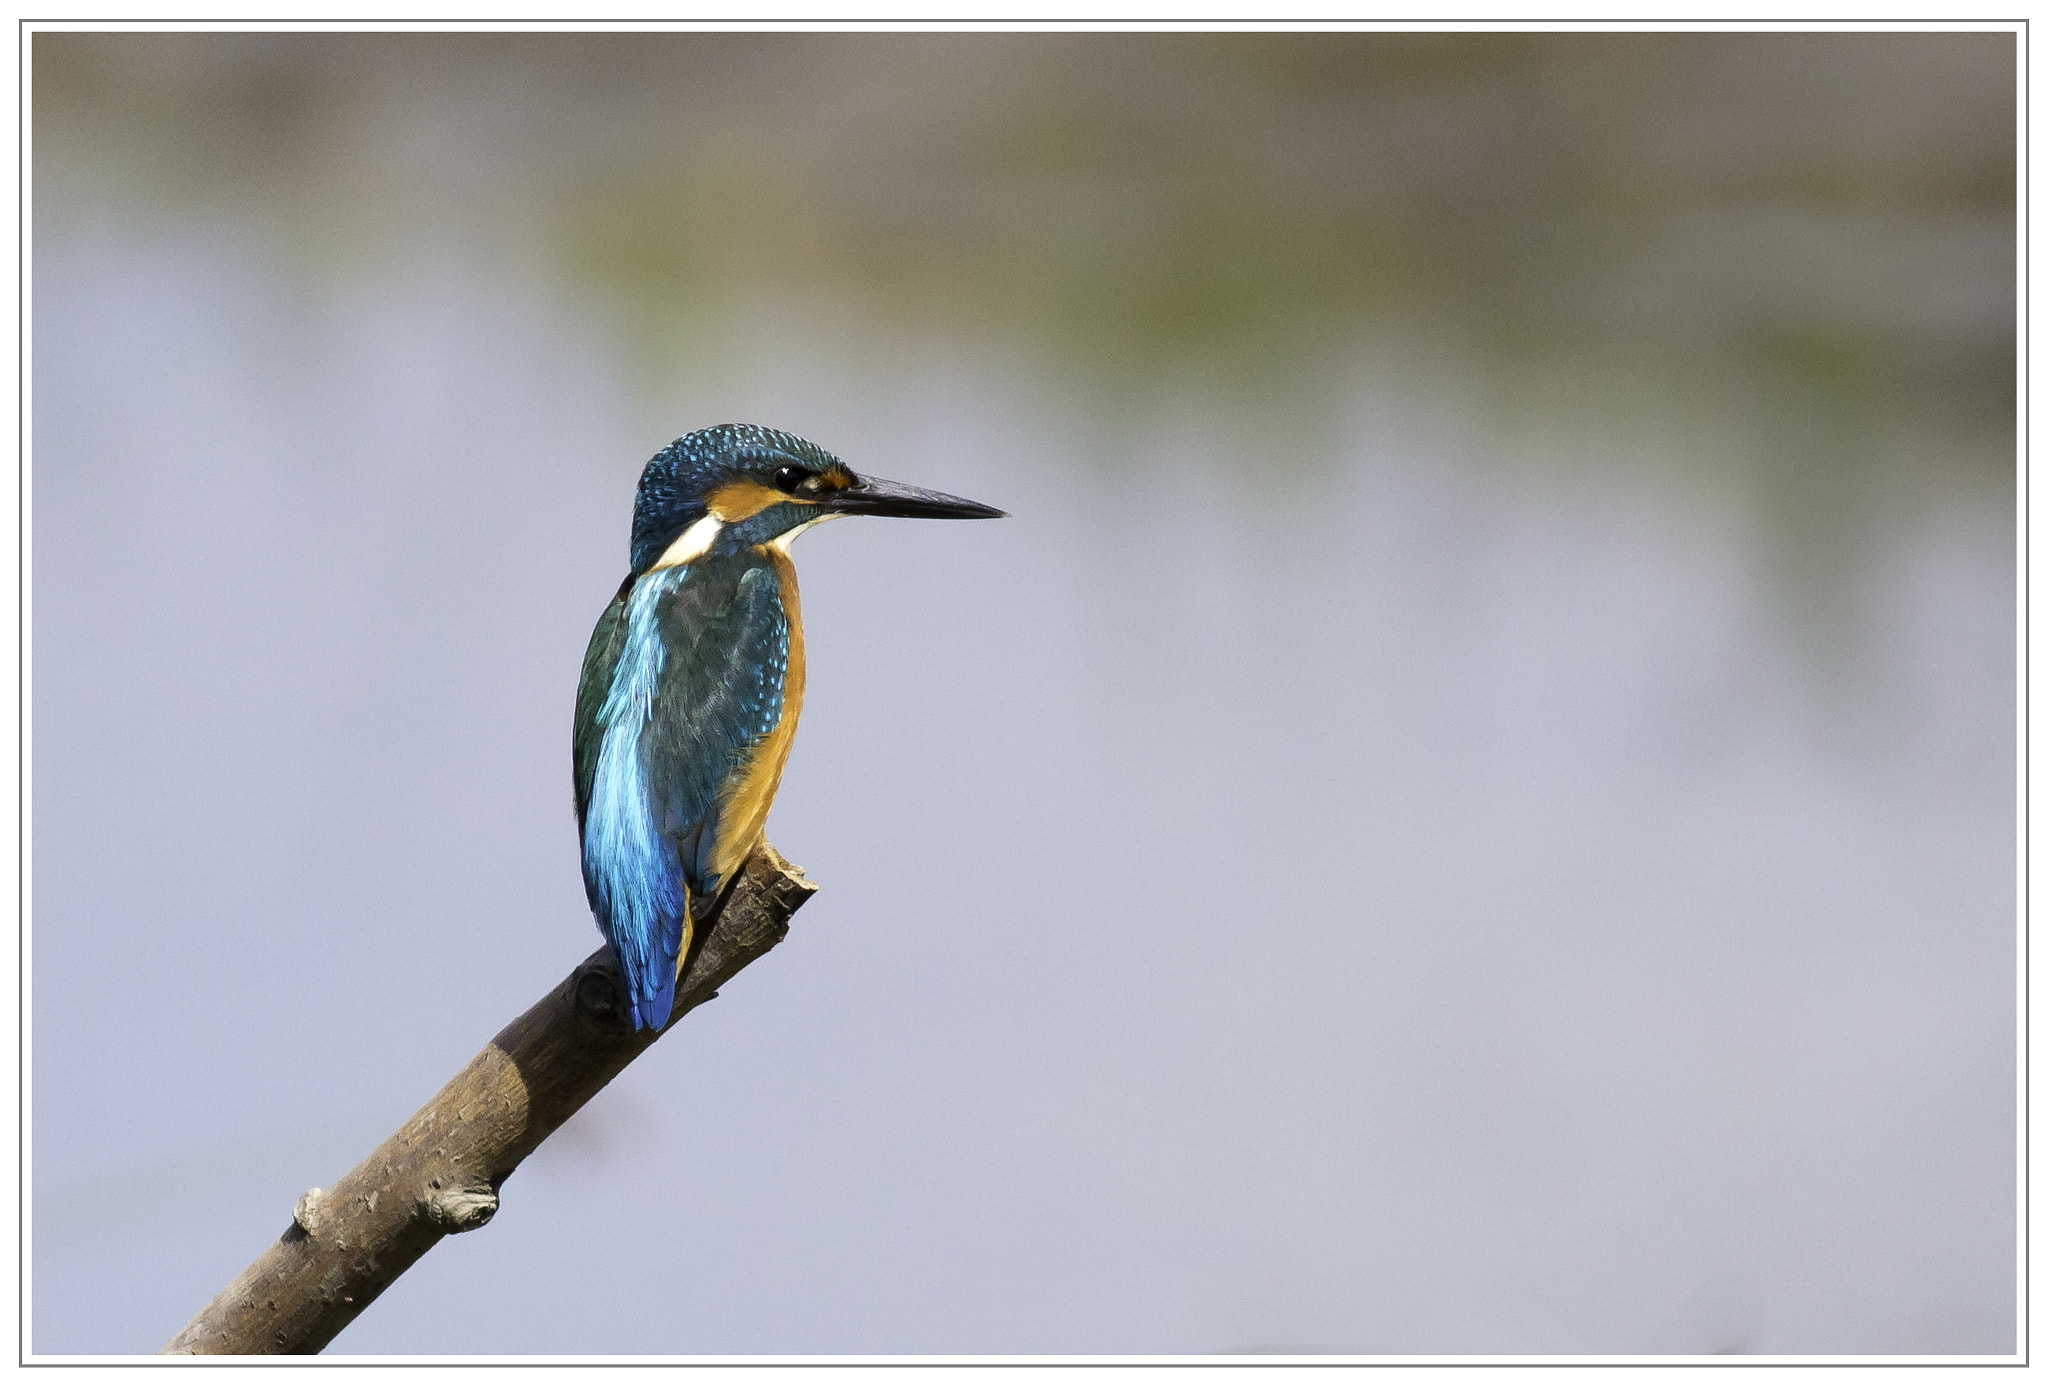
column 693, row 680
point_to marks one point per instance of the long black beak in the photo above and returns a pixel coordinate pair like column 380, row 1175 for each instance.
column 870, row 495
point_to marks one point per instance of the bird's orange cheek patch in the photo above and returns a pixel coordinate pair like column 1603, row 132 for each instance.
column 742, row 500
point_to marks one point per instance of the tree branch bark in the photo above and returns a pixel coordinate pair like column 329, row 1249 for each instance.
column 440, row 1172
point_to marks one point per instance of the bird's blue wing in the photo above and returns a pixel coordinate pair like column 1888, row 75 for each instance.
column 684, row 676
column 720, row 695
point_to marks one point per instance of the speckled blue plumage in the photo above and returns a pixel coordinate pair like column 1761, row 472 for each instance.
column 693, row 680
column 677, row 479
column 684, row 677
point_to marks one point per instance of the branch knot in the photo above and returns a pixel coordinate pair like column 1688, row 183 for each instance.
column 460, row 1207
column 306, row 1212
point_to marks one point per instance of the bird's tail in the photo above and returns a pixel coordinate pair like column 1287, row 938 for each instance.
column 650, row 1010
column 648, row 930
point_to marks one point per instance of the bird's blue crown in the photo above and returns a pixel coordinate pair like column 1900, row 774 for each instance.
column 678, row 480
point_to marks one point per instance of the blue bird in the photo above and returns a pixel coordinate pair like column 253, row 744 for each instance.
column 693, row 681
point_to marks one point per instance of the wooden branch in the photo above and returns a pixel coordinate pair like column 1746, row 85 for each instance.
column 441, row 1171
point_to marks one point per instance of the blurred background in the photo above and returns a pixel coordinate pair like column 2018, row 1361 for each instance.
column 1471, row 810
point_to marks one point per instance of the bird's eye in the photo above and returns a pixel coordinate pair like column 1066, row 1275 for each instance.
column 790, row 478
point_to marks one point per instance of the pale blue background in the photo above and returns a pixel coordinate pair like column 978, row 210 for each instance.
column 1470, row 810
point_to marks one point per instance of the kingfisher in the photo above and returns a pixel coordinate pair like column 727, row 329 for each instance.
column 693, row 681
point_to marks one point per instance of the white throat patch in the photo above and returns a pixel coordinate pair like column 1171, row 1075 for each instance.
column 693, row 543
column 781, row 542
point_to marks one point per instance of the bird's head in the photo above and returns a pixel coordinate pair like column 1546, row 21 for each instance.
column 723, row 489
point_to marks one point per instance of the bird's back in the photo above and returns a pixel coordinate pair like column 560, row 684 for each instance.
column 684, row 717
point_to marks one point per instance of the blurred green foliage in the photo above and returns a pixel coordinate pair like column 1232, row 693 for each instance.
column 1801, row 242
